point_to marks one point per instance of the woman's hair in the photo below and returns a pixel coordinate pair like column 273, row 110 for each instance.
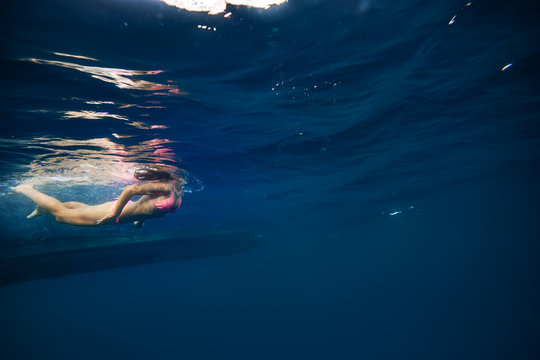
column 152, row 174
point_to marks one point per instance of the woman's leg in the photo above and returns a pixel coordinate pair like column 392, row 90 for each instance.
column 46, row 202
column 62, row 213
column 69, row 204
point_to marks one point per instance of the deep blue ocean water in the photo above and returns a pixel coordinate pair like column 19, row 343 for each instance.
column 362, row 175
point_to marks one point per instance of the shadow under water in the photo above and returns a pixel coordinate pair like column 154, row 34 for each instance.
column 72, row 255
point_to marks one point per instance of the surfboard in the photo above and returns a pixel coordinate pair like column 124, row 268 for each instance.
column 72, row 255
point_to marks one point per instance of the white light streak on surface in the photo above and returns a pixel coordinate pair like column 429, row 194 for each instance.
column 214, row 7
column 75, row 56
column 121, row 78
column 91, row 115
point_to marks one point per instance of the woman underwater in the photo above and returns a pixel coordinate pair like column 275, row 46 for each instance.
column 161, row 193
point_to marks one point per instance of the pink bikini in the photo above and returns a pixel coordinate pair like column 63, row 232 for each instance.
column 166, row 205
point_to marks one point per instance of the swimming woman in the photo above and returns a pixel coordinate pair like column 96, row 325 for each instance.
column 161, row 193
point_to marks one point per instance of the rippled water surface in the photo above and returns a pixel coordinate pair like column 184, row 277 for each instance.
column 362, row 179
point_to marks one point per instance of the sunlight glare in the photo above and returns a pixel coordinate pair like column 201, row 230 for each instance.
column 214, row 7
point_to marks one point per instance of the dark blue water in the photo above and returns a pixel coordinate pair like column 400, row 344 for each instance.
column 362, row 180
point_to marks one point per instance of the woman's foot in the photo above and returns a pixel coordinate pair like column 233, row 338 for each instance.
column 37, row 211
column 21, row 189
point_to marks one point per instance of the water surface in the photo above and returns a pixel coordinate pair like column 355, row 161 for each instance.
column 362, row 179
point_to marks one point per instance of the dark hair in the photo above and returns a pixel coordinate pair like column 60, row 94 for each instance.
column 152, row 174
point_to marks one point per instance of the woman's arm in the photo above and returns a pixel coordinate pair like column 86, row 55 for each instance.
column 130, row 191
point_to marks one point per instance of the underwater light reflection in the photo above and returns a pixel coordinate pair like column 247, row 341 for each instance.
column 91, row 115
column 214, row 7
column 75, row 56
column 119, row 77
column 98, row 115
column 98, row 161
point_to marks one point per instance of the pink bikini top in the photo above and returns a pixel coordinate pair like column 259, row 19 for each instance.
column 166, row 205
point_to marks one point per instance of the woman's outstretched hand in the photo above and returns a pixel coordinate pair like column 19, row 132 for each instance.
column 106, row 218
